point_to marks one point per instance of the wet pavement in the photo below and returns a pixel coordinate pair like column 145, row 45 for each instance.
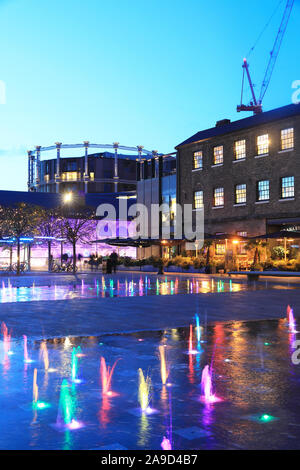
column 252, row 372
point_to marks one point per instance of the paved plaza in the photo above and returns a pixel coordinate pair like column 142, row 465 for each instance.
column 97, row 316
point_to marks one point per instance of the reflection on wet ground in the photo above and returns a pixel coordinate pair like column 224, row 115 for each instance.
column 252, row 374
column 126, row 286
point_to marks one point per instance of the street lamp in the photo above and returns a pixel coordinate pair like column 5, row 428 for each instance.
column 67, row 197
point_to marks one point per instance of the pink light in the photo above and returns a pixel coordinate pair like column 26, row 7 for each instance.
column 73, row 425
column 166, row 444
column 207, row 395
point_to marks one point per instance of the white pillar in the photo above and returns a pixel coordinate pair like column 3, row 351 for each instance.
column 86, row 165
column 140, row 154
column 116, row 170
column 57, row 176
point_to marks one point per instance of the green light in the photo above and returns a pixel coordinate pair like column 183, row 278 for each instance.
column 40, row 405
column 266, row 344
column 266, row 418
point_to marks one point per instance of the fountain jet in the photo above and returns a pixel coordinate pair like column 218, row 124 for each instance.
column 207, row 395
column 163, row 365
column 106, row 373
column 144, row 391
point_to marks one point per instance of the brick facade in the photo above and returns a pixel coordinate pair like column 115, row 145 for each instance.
column 253, row 216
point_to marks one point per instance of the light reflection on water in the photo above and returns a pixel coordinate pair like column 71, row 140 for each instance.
column 231, row 349
column 126, row 287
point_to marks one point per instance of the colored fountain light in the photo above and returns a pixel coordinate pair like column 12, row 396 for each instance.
column 26, row 356
column 44, row 355
column 198, row 328
column 166, row 444
column 207, row 395
column 163, row 364
column 6, row 339
column 106, row 373
column 265, row 418
column 291, row 319
column 66, row 411
column 144, row 392
column 76, row 353
column 191, row 349
column 36, row 404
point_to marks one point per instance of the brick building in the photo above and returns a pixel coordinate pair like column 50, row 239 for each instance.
column 245, row 173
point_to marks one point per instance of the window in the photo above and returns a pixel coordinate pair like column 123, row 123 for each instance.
column 240, row 149
column 242, row 234
column 218, row 197
column 263, row 190
column 287, row 187
column 263, row 144
column 287, row 139
column 198, row 160
column 220, row 248
column 198, row 199
column 218, row 155
column 92, row 175
column 240, row 194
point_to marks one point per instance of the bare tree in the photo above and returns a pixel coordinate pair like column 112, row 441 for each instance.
column 77, row 227
column 19, row 221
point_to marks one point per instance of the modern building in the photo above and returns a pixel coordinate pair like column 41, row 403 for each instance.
column 157, row 185
column 103, row 172
column 245, row 174
column 38, row 244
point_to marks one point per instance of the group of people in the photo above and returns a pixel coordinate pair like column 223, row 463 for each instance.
column 109, row 264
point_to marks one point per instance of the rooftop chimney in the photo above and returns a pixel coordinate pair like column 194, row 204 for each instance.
column 223, row 122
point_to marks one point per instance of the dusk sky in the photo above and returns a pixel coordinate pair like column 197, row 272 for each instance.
column 138, row 72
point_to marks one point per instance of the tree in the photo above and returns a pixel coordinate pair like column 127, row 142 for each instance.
column 77, row 227
column 49, row 227
column 19, row 221
column 256, row 246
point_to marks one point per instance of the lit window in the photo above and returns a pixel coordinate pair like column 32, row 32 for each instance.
column 220, row 249
column 287, row 187
column 198, row 160
column 92, row 175
column 263, row 190
column 263, row 144
column 198, row 199
column 240, row 149
column 219, row 197
column 242, row 234
column 240, row 194
column 69, row 176
column 218, row 155
column 287, row 139
column 46, row 178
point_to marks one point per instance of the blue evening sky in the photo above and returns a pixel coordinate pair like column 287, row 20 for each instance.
column 140, row 72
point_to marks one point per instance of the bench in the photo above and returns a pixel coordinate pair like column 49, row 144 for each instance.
column 254, row 275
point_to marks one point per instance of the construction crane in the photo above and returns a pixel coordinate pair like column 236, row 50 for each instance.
column 256, row 104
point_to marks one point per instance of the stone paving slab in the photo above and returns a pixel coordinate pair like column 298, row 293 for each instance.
column 84, row 317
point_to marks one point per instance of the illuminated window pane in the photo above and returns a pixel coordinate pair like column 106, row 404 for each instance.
column 242, row 234
column 198, row 199
column 287, row 187
column 218, row 155
column 198, row 160
column 263, row 144
column 240, row 194
column 240, row 149
column 219, row 197
column 220, row 249
column 263, row 190
column 287, row 139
